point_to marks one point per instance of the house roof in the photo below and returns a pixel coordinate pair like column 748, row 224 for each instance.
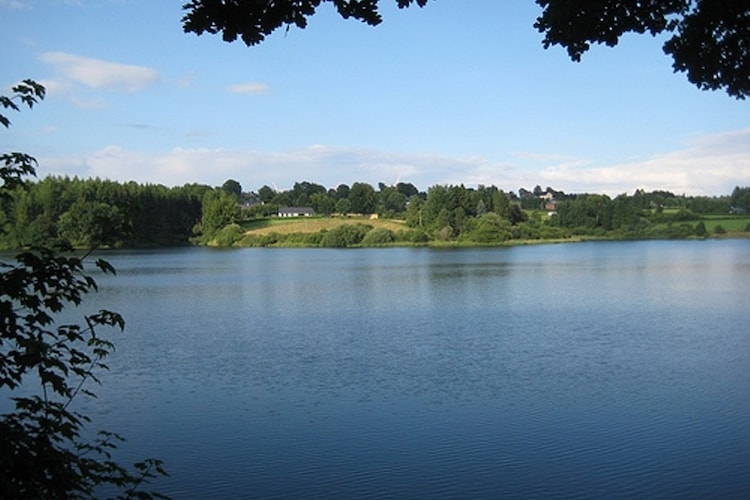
column 296, row 210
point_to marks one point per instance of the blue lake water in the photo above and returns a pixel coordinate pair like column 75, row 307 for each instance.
column 591, row 370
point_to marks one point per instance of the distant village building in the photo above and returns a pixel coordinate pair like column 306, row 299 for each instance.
column 295, row 212
column 549, row 203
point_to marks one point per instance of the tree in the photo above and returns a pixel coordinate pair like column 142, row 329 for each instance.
column 90, row 224
column 407, row 189
column 342, row 191
column 516, row 214
column 232, row 187
column 343, row 206
column 709, row 41
column 740, row 198
column 219, row 209
column 92, row 212
column 622, row 212
column 392, row 201
column 491, row 228
column 586, row 212
column 363, row 198
column 302, row 193
column 700, row 230
column 436, row 201
column 414, row 212
column 322, row 203
column 266, row 194
column 42, row 453
column 252, row 21
column 481, row 208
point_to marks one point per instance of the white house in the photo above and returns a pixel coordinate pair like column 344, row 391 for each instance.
column 295, row 212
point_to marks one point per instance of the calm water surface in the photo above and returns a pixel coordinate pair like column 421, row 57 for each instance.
column 593, row 370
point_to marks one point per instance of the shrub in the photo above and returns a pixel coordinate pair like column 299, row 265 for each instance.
column 491, row 228
column 228, row 235
column 269, row 239
column 445, row 234
column 346, row 235
column 377, row 237
column 418, row 236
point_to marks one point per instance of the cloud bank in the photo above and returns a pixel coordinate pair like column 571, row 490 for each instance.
column 708, row 165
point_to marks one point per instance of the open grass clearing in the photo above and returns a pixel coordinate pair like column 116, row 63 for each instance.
column 305, row 225
column 729, row 223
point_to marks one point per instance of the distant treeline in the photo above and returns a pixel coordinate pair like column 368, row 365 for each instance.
column 487, row 215
column 94, row 212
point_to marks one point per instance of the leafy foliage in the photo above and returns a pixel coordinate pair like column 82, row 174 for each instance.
column 228, row 235
column 711, row 46
column 252, row 21
column 100, row 212
column 42, row 453
column 709, row 41
column 491, row 228
column 27, row 92
column 486, row 215
column 576, row 24
column 347, row 235
column 741, row 198
column 220, row 209
column 232, row 187
column 363, row 198
column 378, row 236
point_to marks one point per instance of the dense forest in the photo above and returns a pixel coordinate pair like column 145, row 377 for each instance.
column 94, row 212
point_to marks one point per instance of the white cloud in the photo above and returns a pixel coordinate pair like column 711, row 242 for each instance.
column 98, row 74
column 248, row 88
column 709, row 165
column 56, row 86
column 13, row 4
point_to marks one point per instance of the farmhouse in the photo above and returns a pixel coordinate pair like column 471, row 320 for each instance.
column 295, row 212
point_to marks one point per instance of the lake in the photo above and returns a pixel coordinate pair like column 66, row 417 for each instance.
column 589, row 370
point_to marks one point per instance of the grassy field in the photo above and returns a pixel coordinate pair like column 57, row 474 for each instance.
column 289, row 225
column 732, row 224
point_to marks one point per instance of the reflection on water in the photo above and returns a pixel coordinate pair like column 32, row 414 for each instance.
column 586, row 370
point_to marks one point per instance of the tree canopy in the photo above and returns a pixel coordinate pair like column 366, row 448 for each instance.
column 709, row 37
column 253, row 20
column 709, row 41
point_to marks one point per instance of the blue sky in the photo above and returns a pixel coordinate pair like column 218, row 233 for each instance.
column 460, row 91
